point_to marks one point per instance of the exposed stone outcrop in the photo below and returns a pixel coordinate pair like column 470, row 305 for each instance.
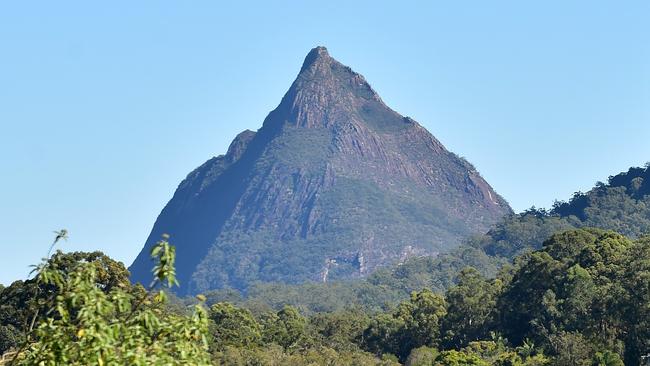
column 334, row 185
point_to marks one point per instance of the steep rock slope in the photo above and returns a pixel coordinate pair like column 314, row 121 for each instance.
column 334, row 185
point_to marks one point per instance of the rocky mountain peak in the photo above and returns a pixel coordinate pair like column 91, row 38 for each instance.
column 334, row 185
column 317, row 56
column 327, row 93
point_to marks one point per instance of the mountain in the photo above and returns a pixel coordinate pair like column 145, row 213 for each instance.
column 334, row 185
column 622, row 203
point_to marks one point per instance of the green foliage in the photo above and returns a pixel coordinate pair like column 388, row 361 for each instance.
column 90, row 326
column 422, row 316
column 234, row 327
column 341, row 330
column 607, row 358
column 476, row 353
column 580, row 298
column 413, row 324
column 635, row 306
column 286, row 328
column 422, row 356
column 584, row 292
column 623, row 205
column 288, row 338
column 381, row 290
column 383, row 335
column 470, row 310
column 274, row 355
column 498, row 353
column 520, row 233
column 570, row 284
column 10, row 337
column 458, row 358
column 20, row 303
column 164, row 270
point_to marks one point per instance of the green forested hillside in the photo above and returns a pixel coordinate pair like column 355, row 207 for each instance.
column 622, row 205
column 582, row 299
column 544, row 287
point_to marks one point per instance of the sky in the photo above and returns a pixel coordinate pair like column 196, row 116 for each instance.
column 106, row 106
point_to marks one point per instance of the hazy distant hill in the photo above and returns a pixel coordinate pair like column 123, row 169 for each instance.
column 334, row 185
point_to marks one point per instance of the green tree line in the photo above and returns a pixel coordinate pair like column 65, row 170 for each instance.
column 583, row 298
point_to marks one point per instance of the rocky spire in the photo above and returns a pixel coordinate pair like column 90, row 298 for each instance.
column 334, row 182
column 316, row 56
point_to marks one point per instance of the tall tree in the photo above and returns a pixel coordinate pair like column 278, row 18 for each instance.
column 471, row 306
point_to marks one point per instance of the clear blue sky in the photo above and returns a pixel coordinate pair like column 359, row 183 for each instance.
column 106, row 106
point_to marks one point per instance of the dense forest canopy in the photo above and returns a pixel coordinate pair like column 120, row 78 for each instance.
column 544, row 287
column 582, row 299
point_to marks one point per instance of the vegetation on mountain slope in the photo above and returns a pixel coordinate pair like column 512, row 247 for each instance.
column 89, row 314
column 623, row 203
column 582, row 299
column 540, row 288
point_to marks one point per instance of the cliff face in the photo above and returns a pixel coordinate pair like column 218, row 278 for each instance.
column 334, row 185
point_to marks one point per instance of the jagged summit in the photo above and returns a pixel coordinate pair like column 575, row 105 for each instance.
column 316, row 55
column 334, row 185
column 327, row 92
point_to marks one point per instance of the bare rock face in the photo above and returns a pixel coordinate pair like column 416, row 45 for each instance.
column 334, row 185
